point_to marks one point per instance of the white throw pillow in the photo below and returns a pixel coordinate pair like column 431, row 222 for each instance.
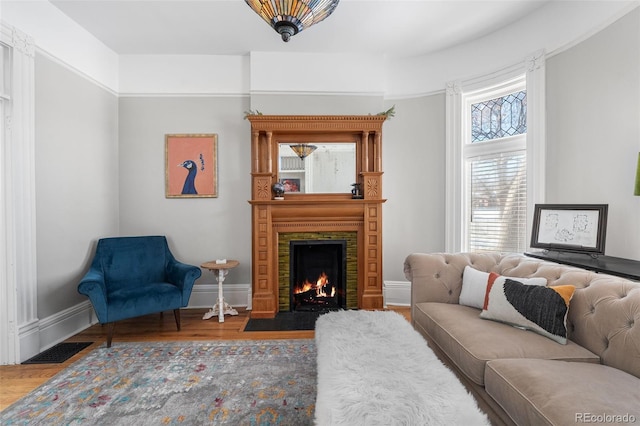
column 474, row 286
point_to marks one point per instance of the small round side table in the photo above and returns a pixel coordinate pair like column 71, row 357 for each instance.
column 221, row 308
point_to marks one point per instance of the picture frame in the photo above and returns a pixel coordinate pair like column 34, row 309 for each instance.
column 191, row 165
column 578, row 228
column 291, row 185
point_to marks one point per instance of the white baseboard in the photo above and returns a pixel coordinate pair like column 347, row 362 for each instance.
column 397, row 293
column 65, row 324
column 38, row 336
column 29, row 337
column 41, row 335
column 45, row 333
column 206, row 295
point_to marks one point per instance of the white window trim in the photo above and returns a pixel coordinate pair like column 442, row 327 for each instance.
column 19, row 335
column 534, row 69
column 473, row 151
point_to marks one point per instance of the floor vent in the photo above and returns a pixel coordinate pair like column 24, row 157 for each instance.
column 58, row 353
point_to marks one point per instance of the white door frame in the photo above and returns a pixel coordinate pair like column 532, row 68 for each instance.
column 19, row 335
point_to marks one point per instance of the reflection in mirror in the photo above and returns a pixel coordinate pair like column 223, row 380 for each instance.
column 331, row 168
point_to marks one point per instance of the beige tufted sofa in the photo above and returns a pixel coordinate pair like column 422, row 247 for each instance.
column 520, row 377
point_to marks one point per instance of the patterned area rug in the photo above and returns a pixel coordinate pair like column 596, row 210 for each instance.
column 223, row 382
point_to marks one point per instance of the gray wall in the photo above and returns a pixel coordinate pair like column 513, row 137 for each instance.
column 593, row 129
column 76, row 159
column 293, row 104
column 198, row 229
column 413, row 182
column 100, row 162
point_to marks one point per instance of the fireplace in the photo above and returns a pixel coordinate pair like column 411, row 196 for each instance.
column 318, row 275
column 358, row 220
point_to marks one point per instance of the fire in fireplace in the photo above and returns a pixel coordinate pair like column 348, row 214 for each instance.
column 318, row 274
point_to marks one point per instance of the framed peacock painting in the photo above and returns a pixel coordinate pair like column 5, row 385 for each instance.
column 191, row 165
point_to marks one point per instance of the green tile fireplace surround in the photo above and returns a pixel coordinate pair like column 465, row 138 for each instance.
column 284, row 260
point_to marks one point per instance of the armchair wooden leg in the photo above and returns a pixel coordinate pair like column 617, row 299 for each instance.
column 176, row 313
column 110, row 327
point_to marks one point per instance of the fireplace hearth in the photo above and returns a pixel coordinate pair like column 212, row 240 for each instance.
column 318, row 275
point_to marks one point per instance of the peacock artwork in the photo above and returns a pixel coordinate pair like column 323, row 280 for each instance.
column 191, row 165
column 189, row 186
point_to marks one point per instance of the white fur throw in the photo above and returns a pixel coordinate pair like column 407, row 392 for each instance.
column 375, row 369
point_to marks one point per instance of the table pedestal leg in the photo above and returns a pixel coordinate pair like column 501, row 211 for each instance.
column 221, row 308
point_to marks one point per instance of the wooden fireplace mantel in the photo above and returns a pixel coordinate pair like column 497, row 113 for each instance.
column 315, row 212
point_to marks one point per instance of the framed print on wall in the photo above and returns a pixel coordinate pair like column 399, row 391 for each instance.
column 191, row 168
column 570, row 227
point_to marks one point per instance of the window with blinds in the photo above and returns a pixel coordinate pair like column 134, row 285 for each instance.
column 495, row 159
column 498, row 202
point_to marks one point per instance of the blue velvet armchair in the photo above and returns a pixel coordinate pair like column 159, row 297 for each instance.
column 134, row 276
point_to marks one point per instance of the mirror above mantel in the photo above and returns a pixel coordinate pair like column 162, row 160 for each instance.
column 329, row 168
column 348, row 150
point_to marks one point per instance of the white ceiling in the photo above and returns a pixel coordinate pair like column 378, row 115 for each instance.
column 397, row 28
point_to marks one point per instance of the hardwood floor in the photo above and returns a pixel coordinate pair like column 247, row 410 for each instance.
column 17, row 381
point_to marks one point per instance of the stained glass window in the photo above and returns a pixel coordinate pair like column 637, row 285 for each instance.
column 499, row 117
column 496, row 174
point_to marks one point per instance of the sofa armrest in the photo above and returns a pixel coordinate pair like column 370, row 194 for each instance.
column 93, row 286
column 184, row 277
column 435, row 277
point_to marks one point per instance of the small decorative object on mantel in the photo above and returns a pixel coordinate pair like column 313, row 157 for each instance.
column 356, row 192
column 278, row 191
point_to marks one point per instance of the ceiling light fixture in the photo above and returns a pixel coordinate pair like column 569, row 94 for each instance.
column 303, row 150
column 290, row 17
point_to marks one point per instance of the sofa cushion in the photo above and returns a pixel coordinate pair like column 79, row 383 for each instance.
column 470, row 341
column 537, row 308
column 474, row 285
column 540, row 392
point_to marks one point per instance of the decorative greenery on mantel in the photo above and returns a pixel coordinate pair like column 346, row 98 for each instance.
column 250, row 113
column 391, row 112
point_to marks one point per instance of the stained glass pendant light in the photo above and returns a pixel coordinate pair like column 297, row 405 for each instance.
column 303, row 150
column 289, row 17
